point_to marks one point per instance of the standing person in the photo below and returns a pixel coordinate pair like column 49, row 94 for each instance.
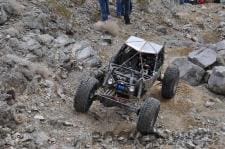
column 104, row 8
column 119, row 9
column 126, row 7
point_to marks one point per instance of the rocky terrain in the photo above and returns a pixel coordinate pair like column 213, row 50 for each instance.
column 47, row 46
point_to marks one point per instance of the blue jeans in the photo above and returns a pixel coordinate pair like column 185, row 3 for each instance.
column 184, row 1
column 121, row 5
column 104, row 8
column 119, row 9
column 126, row 7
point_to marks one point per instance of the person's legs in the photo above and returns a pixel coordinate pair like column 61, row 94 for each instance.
column 181, row 1
column 107, row 6
column 126, row 5
column 119, row 8
column 104, row 10
column 131, row 7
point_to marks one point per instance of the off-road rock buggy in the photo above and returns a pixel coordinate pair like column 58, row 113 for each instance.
column 135, row 68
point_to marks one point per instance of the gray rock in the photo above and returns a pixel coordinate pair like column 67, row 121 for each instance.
column 190, row 145
column 14, row 43
column 221, row 57
column 67, row 147
column 189, row 72
column 85, row 53
column 9, row 8
column 221, row 25
column 203, row 58
column 121, row 139
column 77, row 47
column 13, row 79
column 26, row 137
column 34, row 21
column 148, row 138
column 223, row 127
column 6, row 115
column 63, row 40
column 220, row 45
column 162, row 29
column 93, row 61
column 163, row 133
column 12, row 32
column 39, row 117
column 62, row 56
column 216, row 81
column 107, row 39
column 209, row 104
column 221, row 13
column 3, row 133
column 96, row 135
column 31, row 57
column 13, row 7
column 31, row 44
column 3, row 16
column 41, row 138
column 207, row 75
column 29, row 129
column 67, row 123
column 45, row 39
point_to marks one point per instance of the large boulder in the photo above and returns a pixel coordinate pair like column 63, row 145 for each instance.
column 86, row 55
column 3, row 16
column 63, row 41
column 45, row 39
column 12, row 7
column 189, row 72
column 220, row 45
column 7, row 112
column 221, row 57
column 216, row 82
column 37, row 21
column 9, row 8
column 220, row 48
column 203, row 57
column 32, row 45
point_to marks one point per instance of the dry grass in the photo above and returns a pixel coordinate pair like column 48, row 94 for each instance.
column 60, row 9
column 211, row 36
column 78, row 2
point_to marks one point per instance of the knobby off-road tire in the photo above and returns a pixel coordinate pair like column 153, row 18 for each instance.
column 84, row 94
column 148, row 115
column 170, row 82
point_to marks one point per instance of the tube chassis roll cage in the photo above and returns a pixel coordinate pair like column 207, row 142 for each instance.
column 116, row 101
column 104, row 97
column 148, row 80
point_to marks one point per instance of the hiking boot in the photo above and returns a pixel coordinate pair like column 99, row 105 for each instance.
column 127, row 20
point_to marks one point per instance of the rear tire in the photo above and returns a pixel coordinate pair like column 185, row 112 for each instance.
column 170, row 82
column 84, row 94
column 148, row 115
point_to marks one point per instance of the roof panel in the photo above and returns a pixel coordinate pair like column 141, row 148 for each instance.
column 143, row 46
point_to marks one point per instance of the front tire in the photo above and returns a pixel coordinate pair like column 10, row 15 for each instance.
column 148, row 115
column 84, row 94
column 170, row 82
